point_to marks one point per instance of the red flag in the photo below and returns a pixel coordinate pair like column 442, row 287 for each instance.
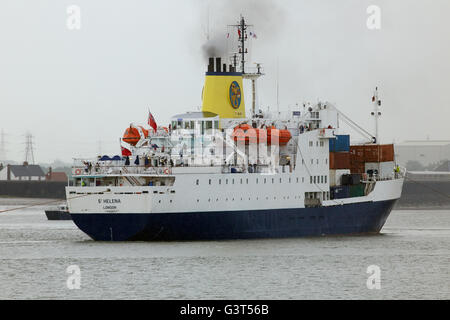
column 125, row 152
column 151, row 121
column 239, row 32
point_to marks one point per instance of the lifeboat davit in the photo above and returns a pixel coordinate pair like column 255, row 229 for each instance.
column 245, row 133
column 133, row 134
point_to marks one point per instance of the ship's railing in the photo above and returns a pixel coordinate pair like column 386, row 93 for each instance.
column 393, row 176
column 119, row 170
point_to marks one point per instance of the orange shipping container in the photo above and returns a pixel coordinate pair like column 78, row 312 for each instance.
column 339, row 160
column 357, row 168
column 372, row 153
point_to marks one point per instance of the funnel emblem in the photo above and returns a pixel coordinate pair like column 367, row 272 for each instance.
column 235, row 95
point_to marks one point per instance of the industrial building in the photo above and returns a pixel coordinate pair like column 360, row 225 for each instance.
column 426, row 152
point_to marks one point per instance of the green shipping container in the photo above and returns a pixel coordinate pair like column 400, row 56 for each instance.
column 357, row 190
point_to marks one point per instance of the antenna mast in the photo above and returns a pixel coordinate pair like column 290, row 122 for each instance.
column 242, row 38
column 376, row 112
column 242, row 28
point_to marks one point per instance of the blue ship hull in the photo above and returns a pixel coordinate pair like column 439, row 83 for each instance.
column 357, row 218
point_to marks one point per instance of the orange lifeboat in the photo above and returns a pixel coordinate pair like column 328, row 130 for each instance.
column 246, row 133
column 282, row 136
column 133, row 134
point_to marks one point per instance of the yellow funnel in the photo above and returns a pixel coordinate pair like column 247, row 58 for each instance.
column 223, row 92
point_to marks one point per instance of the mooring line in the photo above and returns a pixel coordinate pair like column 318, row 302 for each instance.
column 44, row 203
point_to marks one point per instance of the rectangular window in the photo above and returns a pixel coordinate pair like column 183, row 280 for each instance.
column 311, row 179
column 209, row 181
column 196, row 182
column 326, row 179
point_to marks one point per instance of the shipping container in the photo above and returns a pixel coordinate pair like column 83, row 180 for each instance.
column 356, row 166
column 351, row 179
column 383, row 169
column 335, row 176
column 340, row 144
column 372, row 153
column 339, row 160
column 339, row 192
column 357, row 190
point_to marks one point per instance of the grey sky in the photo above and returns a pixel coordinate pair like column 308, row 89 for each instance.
column 72, row 89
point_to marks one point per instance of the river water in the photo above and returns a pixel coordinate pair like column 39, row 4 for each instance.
column 412, row 254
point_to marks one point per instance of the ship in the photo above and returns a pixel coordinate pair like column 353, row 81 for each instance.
column 60, row 212
column 229, row 173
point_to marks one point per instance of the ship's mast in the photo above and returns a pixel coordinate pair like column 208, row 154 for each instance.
column 376, row 112
column 242, row 37
column 242, row 28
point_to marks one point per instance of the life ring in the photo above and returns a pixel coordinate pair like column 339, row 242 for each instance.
column 166, row 171
column 78, row 172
